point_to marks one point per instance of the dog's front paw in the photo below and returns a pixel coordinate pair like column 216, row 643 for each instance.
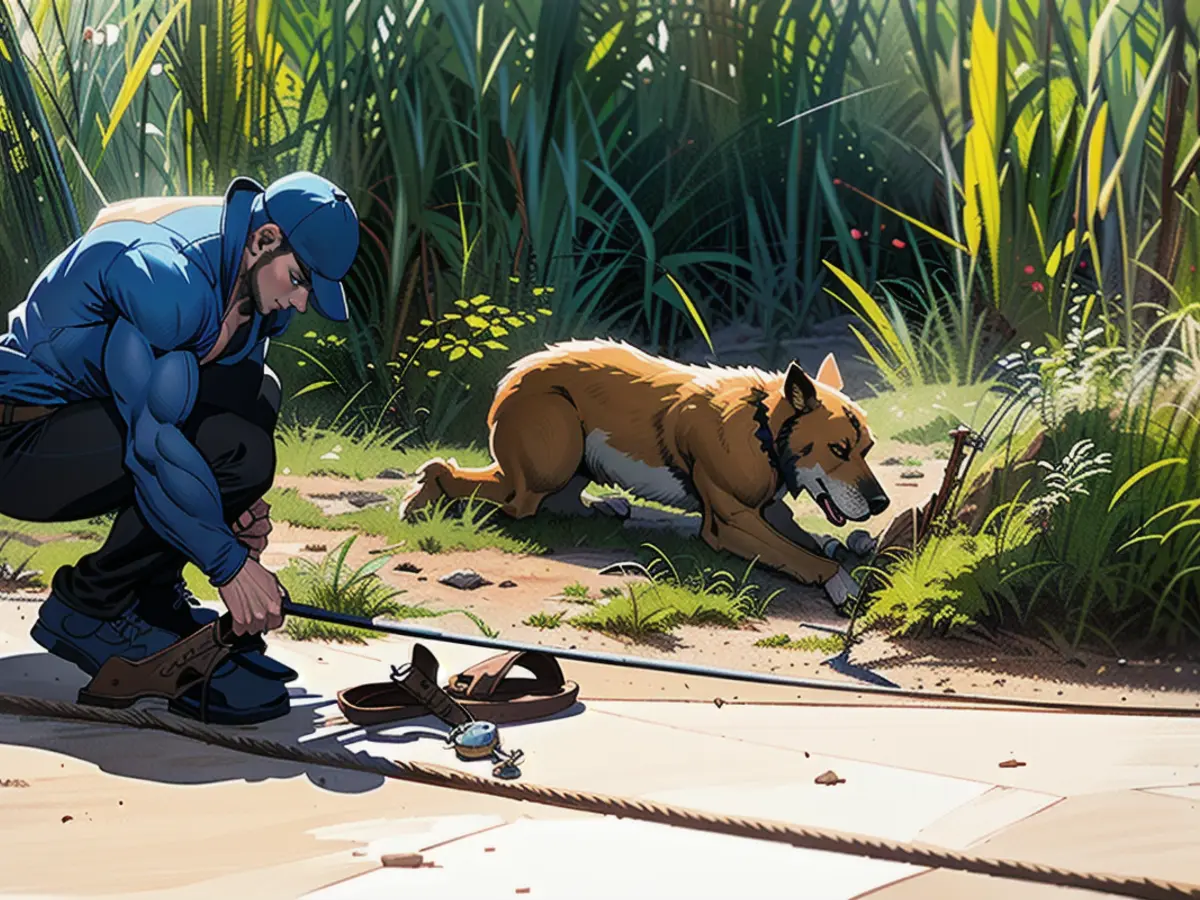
column 861, row 543
column 843, row 591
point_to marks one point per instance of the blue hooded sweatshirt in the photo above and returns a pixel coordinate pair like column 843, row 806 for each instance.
column 127, row 312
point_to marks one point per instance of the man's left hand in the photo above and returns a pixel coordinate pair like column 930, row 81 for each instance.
column 253, row 526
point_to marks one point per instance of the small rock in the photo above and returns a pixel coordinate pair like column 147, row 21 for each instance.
column 522, row 890
column 13, row 783
column 315, row 548
column 359, row 853
column 67, row 819
column 892, row 461
column 330, row 455
column 422, row 578
column 830, row 777
column 464, row 580
column 507, row 583
column 1011, row 764
column 718, row 702
column 392, row 473
column 912, row 474
column 407, row 567
column 402, row 860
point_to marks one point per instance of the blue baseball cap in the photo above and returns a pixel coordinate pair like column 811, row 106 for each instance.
column 320, row 224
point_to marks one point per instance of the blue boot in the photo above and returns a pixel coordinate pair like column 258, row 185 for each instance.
column 185, row 615
column 235, row 695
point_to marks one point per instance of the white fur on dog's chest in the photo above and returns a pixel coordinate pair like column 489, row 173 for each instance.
column 608, row 465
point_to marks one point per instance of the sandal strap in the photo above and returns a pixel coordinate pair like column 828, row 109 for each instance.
column 172, row 671
column 480, row 681
column 419, row 678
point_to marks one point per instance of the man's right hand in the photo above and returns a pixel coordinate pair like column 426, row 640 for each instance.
column 254, row 598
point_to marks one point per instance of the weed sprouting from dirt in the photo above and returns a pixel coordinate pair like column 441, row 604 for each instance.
column 717, row 589
column 638, row 614
column 576, row 591
column 332, row 585
column 430, row 544
column 545, row 620
column 668, row 600
column 811, row 644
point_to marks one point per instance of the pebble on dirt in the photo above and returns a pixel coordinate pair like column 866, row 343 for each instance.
column 407, row 567
column 1011, row 764
column 13, row 783
column 315, row 548
column 393, row 473
column 464, row 580
column 508, row 583
column 830, row 778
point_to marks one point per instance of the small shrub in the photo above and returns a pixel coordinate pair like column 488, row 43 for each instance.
column 576, row 591
column 544, row 620
column 430, row 544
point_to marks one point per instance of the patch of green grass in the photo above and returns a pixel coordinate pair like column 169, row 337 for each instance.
column 576, row 591
column 332, row 585
column 810, row 644
column 315, row 450
column 638, row 614
column 669, row 600
column 432, row 529
column 545, row 620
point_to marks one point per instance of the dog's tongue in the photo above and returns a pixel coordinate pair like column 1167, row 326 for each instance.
column 831, row 511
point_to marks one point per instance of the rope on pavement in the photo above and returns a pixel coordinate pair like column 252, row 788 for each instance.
column 828, row 840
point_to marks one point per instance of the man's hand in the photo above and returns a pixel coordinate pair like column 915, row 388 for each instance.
column 254, row 598
column 253, row 526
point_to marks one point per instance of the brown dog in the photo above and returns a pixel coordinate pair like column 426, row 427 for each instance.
column 729, row 443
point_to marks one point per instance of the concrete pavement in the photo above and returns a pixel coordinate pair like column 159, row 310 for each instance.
column 154, row 815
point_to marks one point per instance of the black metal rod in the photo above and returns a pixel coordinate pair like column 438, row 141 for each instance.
column 305, row 611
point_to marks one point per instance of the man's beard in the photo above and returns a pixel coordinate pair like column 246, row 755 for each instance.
column 247, row 304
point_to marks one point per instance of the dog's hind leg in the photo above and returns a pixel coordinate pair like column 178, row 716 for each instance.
column 537, row 445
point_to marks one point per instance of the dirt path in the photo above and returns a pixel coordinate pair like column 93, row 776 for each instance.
column 519, row 586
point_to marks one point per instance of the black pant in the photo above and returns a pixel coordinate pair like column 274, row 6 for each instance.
column 69, row 465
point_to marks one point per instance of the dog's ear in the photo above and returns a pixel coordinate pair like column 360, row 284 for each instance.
column 829, row 374
column 799, row 390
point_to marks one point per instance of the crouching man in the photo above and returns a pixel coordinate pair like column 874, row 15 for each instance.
column 133, row 380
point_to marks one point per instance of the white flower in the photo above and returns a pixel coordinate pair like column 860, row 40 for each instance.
column 112, row 32
column 156, row 69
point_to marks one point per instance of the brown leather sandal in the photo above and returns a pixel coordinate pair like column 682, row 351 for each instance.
column 170, row 673
column 481, row 692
